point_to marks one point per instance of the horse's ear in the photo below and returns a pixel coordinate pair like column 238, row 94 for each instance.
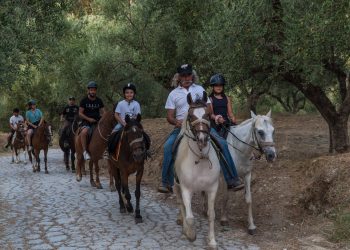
column 205, row 97
column 127, row 118
column 189, row 99
column 138, row 118
column 269, row 114
column 252, row 114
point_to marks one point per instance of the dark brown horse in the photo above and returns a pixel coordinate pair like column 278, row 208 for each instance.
column 19, row 142
column 96, row 148
column 67, row 144
column 40, row 141
column 128, row 160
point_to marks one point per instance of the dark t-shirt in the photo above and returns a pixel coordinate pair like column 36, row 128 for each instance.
column 70, row 112
column 92, row 107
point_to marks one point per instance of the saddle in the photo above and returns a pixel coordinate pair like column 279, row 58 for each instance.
column 113, row 144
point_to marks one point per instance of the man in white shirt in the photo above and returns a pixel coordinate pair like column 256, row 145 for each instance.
column 14, row 120
column 177, row 107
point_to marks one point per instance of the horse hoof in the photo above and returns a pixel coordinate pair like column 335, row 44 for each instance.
column 138, row 220
column 78, row 178
column 67, row 168
column 34, row 170
column 130, row 209
column 93, row 184
column 46, row 172
column 113, row 188
column 213, row 245
column 252, row 231
column 73, row 170
column 224, row 223
column 99, row 186
column 122, row 210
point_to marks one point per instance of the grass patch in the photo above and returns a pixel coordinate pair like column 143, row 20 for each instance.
column 341, row 231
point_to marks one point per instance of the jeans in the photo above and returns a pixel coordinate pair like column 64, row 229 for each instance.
column 168, row 161
column 229, row 172
column 117, row 127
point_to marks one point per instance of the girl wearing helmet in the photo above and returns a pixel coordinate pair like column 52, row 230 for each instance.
column 222, row 115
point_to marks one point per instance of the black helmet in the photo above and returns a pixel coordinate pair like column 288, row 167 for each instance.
column 129, row 86
column 92, row 84
column 71, row 98
column 217, row 79
column 185, row 69
column 16, row 110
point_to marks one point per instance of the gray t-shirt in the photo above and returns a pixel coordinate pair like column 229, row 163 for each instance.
column 128, row 108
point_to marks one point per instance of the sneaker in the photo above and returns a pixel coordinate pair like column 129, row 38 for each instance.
column 162, row 189
column 235, row 185
column 86, row 156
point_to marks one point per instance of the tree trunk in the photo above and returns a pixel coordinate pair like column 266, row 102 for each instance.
column 252, row 102
column 338, row 134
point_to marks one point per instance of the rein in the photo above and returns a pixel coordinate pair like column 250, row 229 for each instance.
column 99, row 131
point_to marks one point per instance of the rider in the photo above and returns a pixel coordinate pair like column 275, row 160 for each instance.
column 128, row 106
column 90, row 110
column 222, row 115
column 177, row 107
column 34, row 118
column 14, row 120
column 68, row 114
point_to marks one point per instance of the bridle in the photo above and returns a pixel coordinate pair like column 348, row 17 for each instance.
column 139, row 140
column 258, row 145
column 192, row 124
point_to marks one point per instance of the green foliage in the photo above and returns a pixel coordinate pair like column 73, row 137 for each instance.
column 341, row 232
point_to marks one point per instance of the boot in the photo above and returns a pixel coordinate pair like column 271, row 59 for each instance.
column 235, row 185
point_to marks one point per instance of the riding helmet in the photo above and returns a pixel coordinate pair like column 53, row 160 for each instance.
column 92, row 84
column 31, row 102
column 129, row 86
column 217, row 79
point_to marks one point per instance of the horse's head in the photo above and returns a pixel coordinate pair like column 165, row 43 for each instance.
column 198, row 119
column 21, row 130
column 133, row 133
column 263, row 133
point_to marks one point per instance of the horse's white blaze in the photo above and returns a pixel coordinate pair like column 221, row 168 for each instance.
column 243, row 152
column 196, row 175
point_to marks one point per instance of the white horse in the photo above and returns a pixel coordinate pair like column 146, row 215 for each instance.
column 255, row 134
column 197, row 167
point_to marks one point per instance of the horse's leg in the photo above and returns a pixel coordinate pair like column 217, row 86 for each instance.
column 91, row 166
column 17, row 156
column 80, row 163
column 72, row 159
column 25, row 154
column 248, row 200
column 181, row 213
column 188, row 223
column 97, row 171
column 211, row 216
column 13, row 154
column 138, row 217
column 45, row 160
column 118, row 187
column 204, row 199
column 112, row 186
column 37, row 156
column 225, row 197
column 66, row 158
column 125, row 191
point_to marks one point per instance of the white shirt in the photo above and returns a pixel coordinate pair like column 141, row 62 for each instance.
column 177, row 99
column 14, row 120
column 128, row 108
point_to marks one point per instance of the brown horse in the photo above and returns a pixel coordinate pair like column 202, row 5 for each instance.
column 96, row 148
column 19, row 142
column 67, row 144
column 128, row 160
column 40, row 141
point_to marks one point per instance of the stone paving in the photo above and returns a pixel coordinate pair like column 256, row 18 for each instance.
column 54, row 211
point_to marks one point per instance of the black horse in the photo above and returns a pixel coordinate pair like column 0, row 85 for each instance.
column 66, row 142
